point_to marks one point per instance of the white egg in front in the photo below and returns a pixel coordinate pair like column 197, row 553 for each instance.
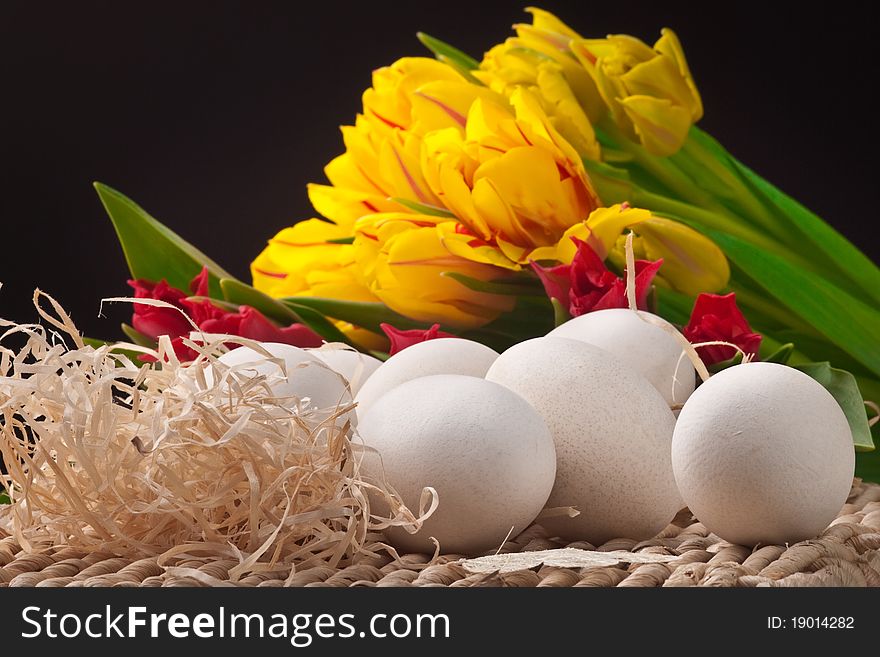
column 305, row 377
column 762, row 453
column 353, row 365
column 635, row 338
column 485, row 450
column 612, row 431
column 440, row 356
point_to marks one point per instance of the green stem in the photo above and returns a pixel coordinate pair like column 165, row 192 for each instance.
column 696, row 215
column 746, row 298
column 660, row 169
column 704, row 168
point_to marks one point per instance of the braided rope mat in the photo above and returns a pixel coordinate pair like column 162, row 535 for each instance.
column 846, row 554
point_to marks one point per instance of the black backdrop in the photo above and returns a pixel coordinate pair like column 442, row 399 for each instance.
column 215, row 115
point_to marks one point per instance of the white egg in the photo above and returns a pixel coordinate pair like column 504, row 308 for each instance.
column 306, row 376
column 644, row 346
column 762, row 453
column 485, row 450
column 353, row 365
column 612, row 431
column 440, row 356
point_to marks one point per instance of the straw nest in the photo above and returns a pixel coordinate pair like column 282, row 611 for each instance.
column 152, row 459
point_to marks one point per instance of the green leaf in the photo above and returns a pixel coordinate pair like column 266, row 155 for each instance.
column 342, row 240
column 219, row 303
column 243, row 294
column 843, row 387
column 448, row 54
column 424, row 208
column 153, row 251
column 493, row 339
column 284, row 312
column 507, row 286
column 843, row 319
column 366, row 314
column 319, row 323
column 845, row 257
column 781, row 355
column 613, row 184
column 136, row 337
column 816, row 349
column 531, row 317
column 673, row 306
column 868, row 465
column 560, row 312
column 714, row 368
column 4, row 498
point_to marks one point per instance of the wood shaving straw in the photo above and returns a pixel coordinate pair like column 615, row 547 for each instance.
column 109, row 454
column 874, row 407
column 689, row 350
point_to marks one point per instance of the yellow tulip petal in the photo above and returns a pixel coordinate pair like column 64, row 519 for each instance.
column 408, row 255
column 669, row 45
column 389, row 101
column 309, row 233
column 474, row 249
column 544, row 20
column 660, row 78
column 692, row 263
column 513, row 252
column 445, row 104
column 484, row 119
column 568, row 117
column 399, row 165
column 344, row 206
column 343, row 172
column 661, row 126
column 362, row 338
column 606, row 224
column 528, row 214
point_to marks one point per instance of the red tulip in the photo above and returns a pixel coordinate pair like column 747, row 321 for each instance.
column 402, row 339
column 247, row 322
column 153, row 321
column 716, row 318
column 586, row 284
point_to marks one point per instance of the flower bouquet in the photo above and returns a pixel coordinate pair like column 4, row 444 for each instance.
column 557, row 179
column 490, row 200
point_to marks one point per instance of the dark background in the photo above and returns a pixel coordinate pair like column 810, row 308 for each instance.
column 215, row 115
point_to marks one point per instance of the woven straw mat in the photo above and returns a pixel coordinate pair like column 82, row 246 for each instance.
column 847, row 553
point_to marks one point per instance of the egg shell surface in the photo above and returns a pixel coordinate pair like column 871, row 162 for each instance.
column 354, row 366
column 440, row 356
column 633, row 337
column 613, row 434
column 485, row 450
column 762, row 453
column 307, row 376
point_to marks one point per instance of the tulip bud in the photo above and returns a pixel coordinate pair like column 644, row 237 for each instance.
column 650, row 91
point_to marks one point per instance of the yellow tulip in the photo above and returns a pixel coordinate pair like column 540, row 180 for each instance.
column 650, row 91
column 692, row 263
column 300, row 261
column 388, row 103
column 550, row 37
column 408, row 99
column 511, row 178
column 402, row 258
column 377, row 166
column 539, row 59
column 508, row 66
